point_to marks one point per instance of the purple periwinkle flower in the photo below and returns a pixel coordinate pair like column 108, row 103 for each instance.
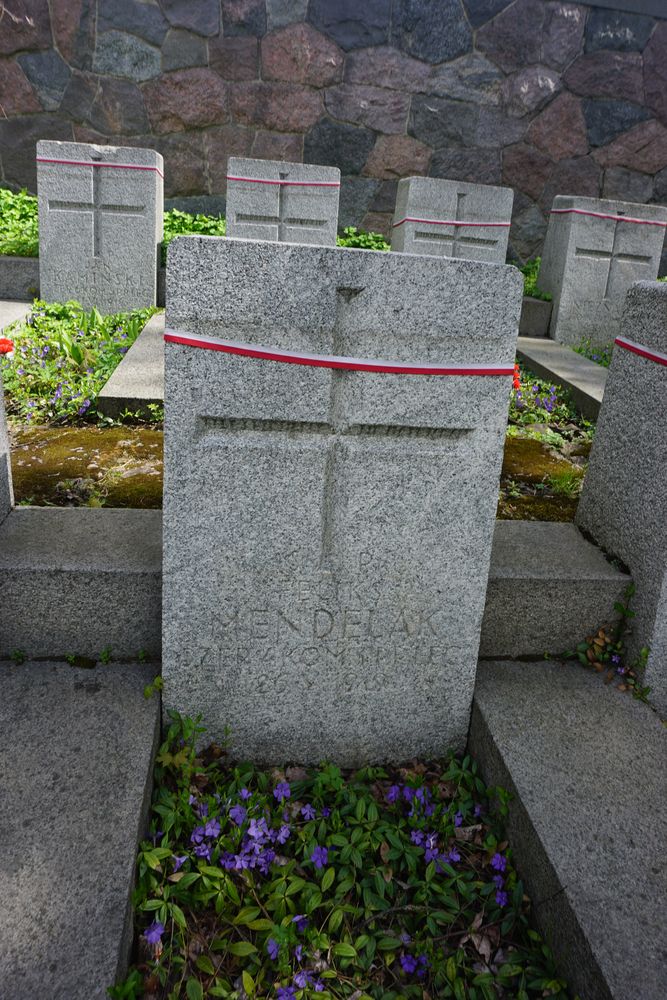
column 212, row 828
column 319, row 857
column 621, row 670
column 477, row 811
column 283, row 834
column 197, row 835
column 308, row 812
column 282, row 791
column 237, row 814
column 499, row 862
column 301, row 922
column 298, row 952
column 285, row 993
column 417, row 837
column 245, row 794
column 458, row 819
column 615, row 658
column 302, row 979
column 392, row 793
column 203, row 851
column 408, row 964
column 154, row 932
column 502, row 899
column 498, row 881
column 326, row 812
column 272, row 948
column 179, row 861
column 405, row 938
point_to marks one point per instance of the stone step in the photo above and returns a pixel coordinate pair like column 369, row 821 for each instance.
column 585, row 764
column 139, row 378
column 75, row 782
column 548, row 587
column 584, row 379
column 11, row 311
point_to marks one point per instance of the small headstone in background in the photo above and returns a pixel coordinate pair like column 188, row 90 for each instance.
column 452, row 219
column 328, row 532
column 100, row 224
column 284, row 202
column 624, row 500
column 6, row 492
column 594, row 250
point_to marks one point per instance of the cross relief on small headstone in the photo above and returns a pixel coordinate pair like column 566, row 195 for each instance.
column 282, row 220
column 458, row 238
column 614, row 258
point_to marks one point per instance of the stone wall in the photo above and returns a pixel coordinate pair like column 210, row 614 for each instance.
column 546, row 97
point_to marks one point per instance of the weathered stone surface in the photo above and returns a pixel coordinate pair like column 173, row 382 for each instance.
column 326, row 480
column 300, row 54
column 495, row 129
column 202, row 17
column 623, row 503
column 18, row 97
column 186, row 98
column 512, row 39
column 49, row 75
column 589, row 263
column 530, row 89
column 18, row 137
column 118, row 108
column 384, row 199
column 221, row 143
column 383, row 110
column 351, row 25
column 446, row 201
column 396, row 70
column 562, row 33
column 481, row 11
column 235, row 58
column 579, row 173
column 99, row 228
column 607, row 119
column 285, row 107
column 291, row 213
column 472, row 77
column 244, row 17
column 145, row 20
column 184, row 163
column 73, row 23
column 280, row 13
column 138, row 381
column 356, row 196
column 6, row 490
column 627, row 184
column 30, row 28
column 78, row 99
column 397, row 156
column 526, row 168
column 642, row 148
column 528, row 228
column 337, row 145
column 560, row 130
column 75, row 780
column 655, row 71
column 479, row 166
column 438, row 122
column 415, row 30
column 607, row 74
column 120, row 54
column 660, row 181
column 277, row 146
column 377, row 222
column 615, row 29
column 183, row 49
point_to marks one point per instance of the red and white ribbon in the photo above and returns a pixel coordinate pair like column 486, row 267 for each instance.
column 603, row 215
column 331, row 360
column 451, row 222
column 644, row 352
column 286, row 183
column 99, row 163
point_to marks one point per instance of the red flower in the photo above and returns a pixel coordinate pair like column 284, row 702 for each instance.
column 6, row 345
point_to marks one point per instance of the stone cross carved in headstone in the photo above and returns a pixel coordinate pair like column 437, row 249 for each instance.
column 286, row 202
column 328, row 514
column 594, row 250
column 452, row 219
column 100, row 224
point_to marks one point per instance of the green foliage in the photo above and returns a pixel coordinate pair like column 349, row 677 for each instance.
column 600, row 354
column 567, row 483
column 530, row 271
column 63, row 356
column 19, row 228
column 534, row 401
column 184, row 224
column 373, row 917
column 353, row 237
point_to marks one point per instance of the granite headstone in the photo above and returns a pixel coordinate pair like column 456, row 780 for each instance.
column 327, row 533
column 100, row 224
column 623, row 504
column 593, row 251
column 452, row 219
column 6, row 492
column 284, row 202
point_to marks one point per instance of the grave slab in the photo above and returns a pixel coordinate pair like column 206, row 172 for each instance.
column 285, row 202
column 584, row 379
column 19, row 278
column 139, row 379
column 10, row 311
column 623, row 504
column 585, row 766
column 100, row 224
column 593, row 251
column 75, row 782
column 328, row 531
column 452, row 219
